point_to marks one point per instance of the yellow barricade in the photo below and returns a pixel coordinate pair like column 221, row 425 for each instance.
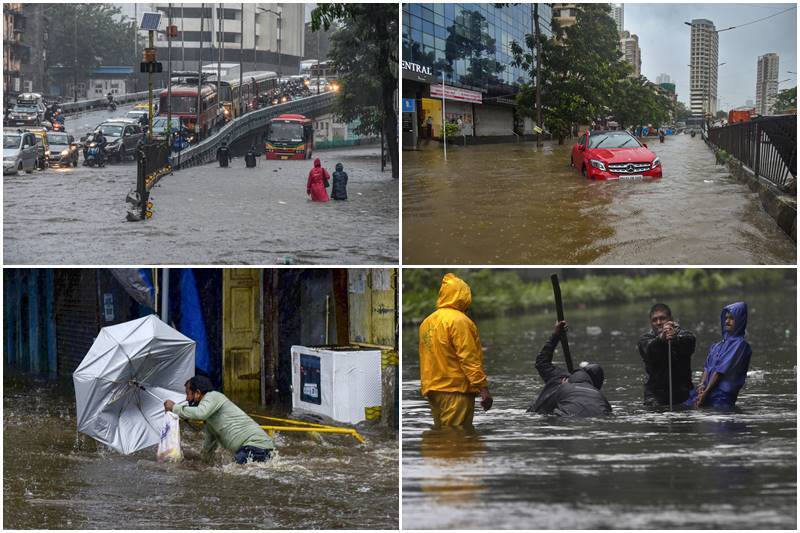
column 299, row 425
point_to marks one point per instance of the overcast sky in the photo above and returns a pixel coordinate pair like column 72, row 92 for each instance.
column 664, row 40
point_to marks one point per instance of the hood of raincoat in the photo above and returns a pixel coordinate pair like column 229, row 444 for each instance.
column 317, row 163
column 592, row 374
column 454, row 293
column 739, row 312
column 339, row 167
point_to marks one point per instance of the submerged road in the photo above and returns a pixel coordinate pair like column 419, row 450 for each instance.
column 203, row 215
column 514, row 204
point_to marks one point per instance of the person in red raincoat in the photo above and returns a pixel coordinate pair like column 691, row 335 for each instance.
column 318, row 179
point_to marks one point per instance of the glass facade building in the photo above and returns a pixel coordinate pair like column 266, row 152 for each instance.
column 470, row 42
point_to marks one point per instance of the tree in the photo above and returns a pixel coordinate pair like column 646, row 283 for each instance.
column 102, row 38
column 581, row 66
column 681, row 111
column 364, row 52
column 637, row 102
column 786, row 100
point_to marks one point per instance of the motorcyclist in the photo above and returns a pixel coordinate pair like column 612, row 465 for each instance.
column 111, row 104
column 101, row 142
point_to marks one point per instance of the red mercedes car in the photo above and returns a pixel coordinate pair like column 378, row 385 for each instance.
column 614, row 155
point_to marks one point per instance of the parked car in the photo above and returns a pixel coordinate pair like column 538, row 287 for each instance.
column 19, row 151
column 43, row 148
column 124, row 137
column 612, row 155
column 26, row 114
column 63, row 150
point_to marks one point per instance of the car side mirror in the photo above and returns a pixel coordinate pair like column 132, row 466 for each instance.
column 644, row 144
column 581, row 148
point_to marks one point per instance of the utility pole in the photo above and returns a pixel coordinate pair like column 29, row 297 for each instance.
column 152, row 50
column 219, row 51
column 75, row 60
column 169, row 73
column 241, row 58
column 199, row 73
column 183, row 40
column 537, row 35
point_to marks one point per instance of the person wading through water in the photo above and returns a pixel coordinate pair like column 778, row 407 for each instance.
column 225, row 423
column 317, row 181
column 451, row 358
column 565, row 394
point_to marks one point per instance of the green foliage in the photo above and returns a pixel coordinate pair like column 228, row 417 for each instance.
column 786, row 100
column 103, row 37
column 364, row 53
column 497, row 292
column 682, row 112
column 452, row 130
column 636, row 102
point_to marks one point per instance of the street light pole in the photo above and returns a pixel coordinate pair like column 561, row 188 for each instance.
column 241, row 58
column 200, row 72
column 75, row 60
column 169, row 74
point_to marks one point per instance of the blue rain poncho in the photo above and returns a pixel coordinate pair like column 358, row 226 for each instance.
column 730, row 358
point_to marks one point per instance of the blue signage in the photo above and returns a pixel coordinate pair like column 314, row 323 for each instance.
column 409, row 105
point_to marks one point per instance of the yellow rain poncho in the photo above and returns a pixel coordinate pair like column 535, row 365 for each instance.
column 450, row 353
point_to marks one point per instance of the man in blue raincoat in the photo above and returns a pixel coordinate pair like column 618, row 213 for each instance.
column 726, row 366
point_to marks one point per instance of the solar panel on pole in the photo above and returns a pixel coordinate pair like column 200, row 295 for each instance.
column 150, row 21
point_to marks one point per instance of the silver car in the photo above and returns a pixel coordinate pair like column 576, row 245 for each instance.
column 19, row 151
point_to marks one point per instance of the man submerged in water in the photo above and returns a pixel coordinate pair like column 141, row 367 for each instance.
column 565, row 394
column 225, row 423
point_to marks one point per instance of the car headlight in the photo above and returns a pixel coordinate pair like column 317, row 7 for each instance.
column 656, row 162
column 47, row 152
column 65, row 152
column 597, row 164
column 92, row 145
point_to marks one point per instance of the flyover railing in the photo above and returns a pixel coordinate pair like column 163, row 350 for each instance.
column 766, row 145
column 83, row 105
column 244, row 126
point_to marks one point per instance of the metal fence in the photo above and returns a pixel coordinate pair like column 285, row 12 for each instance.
column 766, row 145
column 255, row 121
column 152, row 163
column 83, row 105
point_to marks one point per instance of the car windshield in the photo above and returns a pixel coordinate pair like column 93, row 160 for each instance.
column 24, row 109
column 613, row 141
column 58, row 138
column 110, row 130
column 286, row 131
column 11, row 141
column 160, row 124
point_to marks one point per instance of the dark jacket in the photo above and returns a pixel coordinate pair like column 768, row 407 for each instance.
column 654, row 354
column 223, row 156
column 339, row 190
column 580, row 396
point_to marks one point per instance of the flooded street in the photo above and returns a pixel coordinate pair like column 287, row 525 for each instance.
column 638, row 469
column 204, row 215
column 315, row 482
column 512, row 204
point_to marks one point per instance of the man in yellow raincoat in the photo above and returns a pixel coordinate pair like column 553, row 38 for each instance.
column 451, row 357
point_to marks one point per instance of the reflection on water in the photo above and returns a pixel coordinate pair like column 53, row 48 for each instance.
column 53, row 478
column 638, row 468
column 512, row 204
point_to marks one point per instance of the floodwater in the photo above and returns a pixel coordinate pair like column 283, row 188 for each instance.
column 512, row 204
column 638, row 469
column 202, row 215
column 315, row 482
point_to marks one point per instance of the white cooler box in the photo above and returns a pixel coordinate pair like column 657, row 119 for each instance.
column 337, row 384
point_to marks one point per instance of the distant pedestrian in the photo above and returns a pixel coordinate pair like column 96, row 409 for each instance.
column 223, row 155
column 318, row 179
column 250, row 157
column 339, row 189
column 429, row 123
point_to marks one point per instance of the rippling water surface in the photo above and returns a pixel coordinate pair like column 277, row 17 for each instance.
column 638, row 468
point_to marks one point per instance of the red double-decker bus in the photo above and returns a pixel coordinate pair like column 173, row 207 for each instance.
column 290, row 137
column 184, row 106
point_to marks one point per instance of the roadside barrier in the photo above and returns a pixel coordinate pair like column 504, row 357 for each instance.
column 84, row 105
column 152, row 163
column 299, row 425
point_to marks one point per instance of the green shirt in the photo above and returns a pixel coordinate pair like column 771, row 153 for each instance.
column 226, row 424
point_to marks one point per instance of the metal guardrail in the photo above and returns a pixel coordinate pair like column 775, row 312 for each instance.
column 152, row 163
column 766, row 145
column 206, row 150
column 83, row 105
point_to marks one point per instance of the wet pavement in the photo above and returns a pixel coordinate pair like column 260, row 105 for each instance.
column 639, row 468
column 53, row 479
column 203, row 215
column 512, row 204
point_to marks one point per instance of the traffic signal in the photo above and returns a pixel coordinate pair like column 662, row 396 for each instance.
column 148, row 67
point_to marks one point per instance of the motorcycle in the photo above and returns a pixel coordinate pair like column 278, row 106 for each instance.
column 112, row 106
column 93, row 156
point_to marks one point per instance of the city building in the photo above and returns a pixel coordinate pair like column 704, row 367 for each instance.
column 15, row 51
column 767, row 83
column 618, row 14
column 464, row 48
column 703, row 66
column 114, row 80
column 263, row 36
column 629, row 46
column 565, row 14
column 749, row 103
column 663, row 78
column 668, row 89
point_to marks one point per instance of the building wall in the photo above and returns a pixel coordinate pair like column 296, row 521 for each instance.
column 629, row 45
column 260, row 35
column 767, row 83
column 494, row 120
column 565, row 14
column 36, row 36
column 703, row 61
column 618, row 14
column 13, row 48
column 100, row 87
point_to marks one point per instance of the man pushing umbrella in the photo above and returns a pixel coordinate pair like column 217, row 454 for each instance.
column 225, row 423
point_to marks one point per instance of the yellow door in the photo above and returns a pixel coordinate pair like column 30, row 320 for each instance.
column 241, row 342
column 371, row 295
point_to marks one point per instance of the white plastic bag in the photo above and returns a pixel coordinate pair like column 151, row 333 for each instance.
column 169, row 447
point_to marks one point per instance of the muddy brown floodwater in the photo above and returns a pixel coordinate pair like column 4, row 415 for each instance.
column 514, row 204
column 49, row 482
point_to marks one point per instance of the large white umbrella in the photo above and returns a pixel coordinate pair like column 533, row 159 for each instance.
column 121, row 384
